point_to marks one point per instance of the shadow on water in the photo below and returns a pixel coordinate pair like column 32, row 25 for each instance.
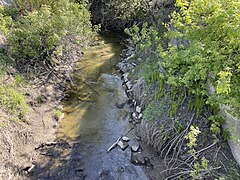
column 92, row 124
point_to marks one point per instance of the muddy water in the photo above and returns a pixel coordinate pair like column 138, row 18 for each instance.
column 93, row 120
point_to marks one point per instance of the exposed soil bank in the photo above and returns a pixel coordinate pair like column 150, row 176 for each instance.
column 18, row 140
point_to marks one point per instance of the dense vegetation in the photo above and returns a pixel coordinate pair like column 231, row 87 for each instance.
column 195, row 61
column 38, row 36
column 203, row 51
column 120, row 14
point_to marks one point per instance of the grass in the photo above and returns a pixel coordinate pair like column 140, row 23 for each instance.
column 12, row 101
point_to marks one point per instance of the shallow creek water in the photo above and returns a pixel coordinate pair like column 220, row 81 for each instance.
column 92, row 118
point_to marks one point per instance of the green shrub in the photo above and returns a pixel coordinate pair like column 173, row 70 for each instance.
column 211, row 31
column 13, row 101
column 38, row 34
column 5, row 22
column 206, row 51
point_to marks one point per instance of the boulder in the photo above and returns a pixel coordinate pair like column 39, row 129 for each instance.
column 233, row 125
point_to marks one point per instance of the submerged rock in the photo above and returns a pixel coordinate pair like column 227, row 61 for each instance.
column 137, row 158
column 106, row 175
column 120, row 105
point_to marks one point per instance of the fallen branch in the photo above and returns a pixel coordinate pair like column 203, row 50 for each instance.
column 115, row 144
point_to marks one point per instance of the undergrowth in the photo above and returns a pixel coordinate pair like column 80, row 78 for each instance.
column 12, row 100
column 202, row 52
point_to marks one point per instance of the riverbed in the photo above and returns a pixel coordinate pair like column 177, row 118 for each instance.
column 93, row 119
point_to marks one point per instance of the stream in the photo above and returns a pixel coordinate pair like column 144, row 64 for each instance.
column 93, row 119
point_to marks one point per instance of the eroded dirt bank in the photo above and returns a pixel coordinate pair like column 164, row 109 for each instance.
column 19, row 139
column 20, row 136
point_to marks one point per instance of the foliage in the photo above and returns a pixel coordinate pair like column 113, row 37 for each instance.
column 199, row 169
column 128, row 9
column 203, row 50
column 13, row 101
column 5, row 22
column 192, row 138
column 119, row 14
column 210, row 31
column 39, row 33
column 23, row 6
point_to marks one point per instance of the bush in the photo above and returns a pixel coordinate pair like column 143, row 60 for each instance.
column 5, row 22
column 211, row 31
column 36, row 35
column 204, row 50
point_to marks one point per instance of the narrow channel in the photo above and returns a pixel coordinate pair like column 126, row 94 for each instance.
column 93, row 119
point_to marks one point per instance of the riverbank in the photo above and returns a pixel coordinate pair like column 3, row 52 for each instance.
column 164, row 135
column 31, row 109
column 18, row 140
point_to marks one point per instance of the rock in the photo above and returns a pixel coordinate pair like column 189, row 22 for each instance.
column 135, row 147
column 123, row 145
column 125, row 77
column 120, row 105
column 134, row 102
column 134, row 64
column 134, row 115
column 137, row 158
column 106, row 175
column 125, row 138
column 138, row 109
column 124, row 67
column 130, row 55
column 129, row 85
column 140, row 116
